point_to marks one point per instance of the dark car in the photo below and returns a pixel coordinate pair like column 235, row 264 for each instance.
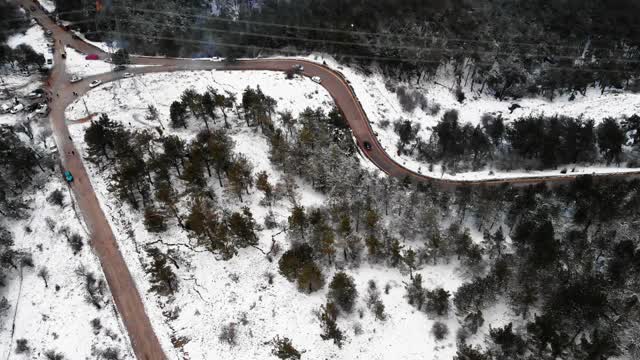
column 367, row 145
column 120, row 68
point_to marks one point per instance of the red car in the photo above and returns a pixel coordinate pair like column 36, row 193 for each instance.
column 92, row 57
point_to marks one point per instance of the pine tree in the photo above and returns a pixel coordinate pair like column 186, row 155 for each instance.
column 163, row 280
column 342, row 291
column 310, row 278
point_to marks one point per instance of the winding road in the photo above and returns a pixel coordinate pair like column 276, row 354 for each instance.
column 123, row 288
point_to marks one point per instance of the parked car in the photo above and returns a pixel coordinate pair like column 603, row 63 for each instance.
column 49, row 61
column 95, row 83
column 75, row 79
column 32, row 107
column 34, row 95
column 17, row 108
column 367, row 145
column 120, row 68
column 5, row 108
column 316, row 79
column 43, row 109
column 127, row 75
column 68, row 176
column 92, row 57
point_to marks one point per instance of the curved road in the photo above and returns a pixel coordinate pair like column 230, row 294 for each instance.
column 123, row 288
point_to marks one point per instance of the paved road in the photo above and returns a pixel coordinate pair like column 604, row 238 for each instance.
column 123, row 288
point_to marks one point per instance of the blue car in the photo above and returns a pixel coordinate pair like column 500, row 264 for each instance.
column 68, row 176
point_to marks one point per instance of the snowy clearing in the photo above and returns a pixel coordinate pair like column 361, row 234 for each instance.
column 214, row 293
column 57, row 317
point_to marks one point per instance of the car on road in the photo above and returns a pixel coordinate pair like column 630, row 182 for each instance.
column 316, row 79
column 68, row 176
column 49, row 61
column 120, row 68
column 75, row 79
column 367, row 145
column 95, row 83
column 127, row 75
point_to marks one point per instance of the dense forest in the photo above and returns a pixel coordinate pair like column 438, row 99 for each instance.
column 565, row 258
column 535, row 142
column 507, row 48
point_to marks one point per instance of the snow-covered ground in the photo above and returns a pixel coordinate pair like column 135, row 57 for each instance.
column 34, row 37
column 48, row 5
column 78, row 65
column 56, row 317
column 214, row 293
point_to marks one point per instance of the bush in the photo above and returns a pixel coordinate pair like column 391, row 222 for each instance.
column 96, row 325
column 330, row 328
column 310, row 278
column 439, row 330
column 294, row 259
column 52, row 355
column 229, row 334
column 56, row 197
column 110, row 353
column 283, row 349
column 75, row 241
column 22, row 346
column 438, row 301
column 154, row 220
column 342, row 290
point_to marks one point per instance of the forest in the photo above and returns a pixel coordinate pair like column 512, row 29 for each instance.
column 564, row 258
column 509, row 49
column 535, row 142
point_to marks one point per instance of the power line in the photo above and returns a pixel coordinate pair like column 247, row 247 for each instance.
column 399, row 47
column 350, row 32
column 354, row 56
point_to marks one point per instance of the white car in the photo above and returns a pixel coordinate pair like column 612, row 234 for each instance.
column 316, row 79
column 127, row 75
column 75, row 79
column 95, row 83
column 17, row 108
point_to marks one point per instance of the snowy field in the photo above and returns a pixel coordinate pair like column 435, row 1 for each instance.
column 214, row 293
column 56, row 317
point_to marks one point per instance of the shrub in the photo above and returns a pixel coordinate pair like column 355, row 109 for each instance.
column 22, row 346
column 229, row 334
column 110, row 353
column 154, row 220
column 294, row 259
column 439, row 330
column 75, row 241
column 96, row 325
column 438, row 301
column 310, row 278
column 342, row 290
column 283, row 349
column 330, row 328
column 52, row 355
column 56, row 197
